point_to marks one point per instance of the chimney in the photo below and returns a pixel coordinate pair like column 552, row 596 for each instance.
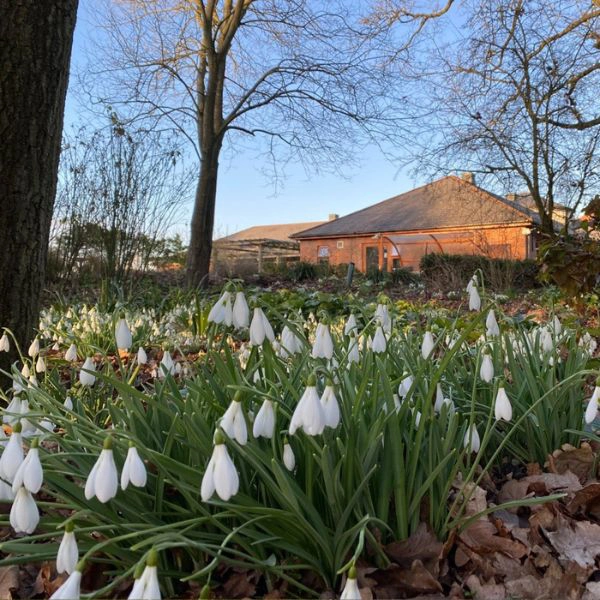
column 511, row 197
column 468, row 177
column 332, row 217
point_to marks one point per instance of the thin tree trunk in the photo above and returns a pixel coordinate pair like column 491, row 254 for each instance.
column 35, row 50
column 203, row 218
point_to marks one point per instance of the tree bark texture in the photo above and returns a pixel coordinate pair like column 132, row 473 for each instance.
column 36, row 37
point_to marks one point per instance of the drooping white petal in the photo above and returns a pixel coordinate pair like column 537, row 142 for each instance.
column 134, row 470
column 491, row 324
column 331, row 409
column 472, row 439
column 241, row 312
column 142, row 357
column 226, row 479
column 474, row 299
column 34, row 348
column 12, row 457
column 123, row 335
column 351, row 591
column 70, row 589
column 257, row 328
column 233, row 423
column 502, row 406
column 379, row 343
column 207, row 488
column 106, row 481
column 24, row 513
column 4, row 343
column 264, row 423
column 289, row 460
column 427, row 345
column 486, row 370
column 351, row 326
column 592, row 408
column 71, row 353
column 30, row 473
column 85, row 378
column 68, row 553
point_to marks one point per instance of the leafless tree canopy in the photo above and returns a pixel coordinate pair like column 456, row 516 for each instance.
column 496, row 95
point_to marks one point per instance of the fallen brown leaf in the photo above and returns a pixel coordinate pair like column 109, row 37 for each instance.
column 9, row 581
column 400, row 581
column 482, row 537
column 577, row 460
column 421, row 545
column 579, row 542
column 587, row 500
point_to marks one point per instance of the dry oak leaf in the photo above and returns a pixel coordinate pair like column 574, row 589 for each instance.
column 399, row 581
column 548, row 483
column 481, row 537
column 579, row 461
column 586, row 499
column 578, row 542
column 485, row 591
column 9, row 581
column 421, row 545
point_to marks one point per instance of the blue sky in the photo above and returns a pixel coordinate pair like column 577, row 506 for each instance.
column 246, row 197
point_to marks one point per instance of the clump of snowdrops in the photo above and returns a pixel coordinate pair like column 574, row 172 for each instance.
column 288, row 444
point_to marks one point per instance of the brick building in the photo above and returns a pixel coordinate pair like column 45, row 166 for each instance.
column 451, row 215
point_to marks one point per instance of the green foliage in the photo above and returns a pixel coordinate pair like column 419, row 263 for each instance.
column 303, row 271
column 453, row 271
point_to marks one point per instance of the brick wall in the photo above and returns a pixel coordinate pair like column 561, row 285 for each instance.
column 501, row 242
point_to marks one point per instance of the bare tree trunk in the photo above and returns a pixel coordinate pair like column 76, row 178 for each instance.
column 198, row 258
column 35, row 52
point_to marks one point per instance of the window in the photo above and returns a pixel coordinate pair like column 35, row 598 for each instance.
column 340, row 244
column 323, row 255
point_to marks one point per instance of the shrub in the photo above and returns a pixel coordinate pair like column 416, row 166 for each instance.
column 303, row 271
column 453, row 271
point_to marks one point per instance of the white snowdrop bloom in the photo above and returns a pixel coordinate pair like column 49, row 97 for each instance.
column 244, row 355
column 439, row 398
column 221, row 310
column 87, row 379
column 30, row 474
column 220, row 475
column 13, row 456
column 134, row 470
column 257, row 328
column 264, row 423
column 351, row 591
column 382, row 315
column 502, row 406
column 290, row 343
column 289, row 460
column 323, row 344
column 123, row 335
column 405, row 386
column 25, row 371
column 71, row 353
column 472, row 283
column 12, row 413
column 167, row 366
column 486, row 371
column 4, row 343
column 353, row 351
column 56, row 346
column 40, row 365
column 417, row 415
column 472, row 439
column 142, row 357
column 309, row 413
column 103, row 480
column 146, row 587
column 492, row 324
column 71, row 588
column 68, row 552
column 24, row 513
column 177, row 369
column 592, row 408
column 427, row 345
column 68, row 403
column 241, row 312
column 379, row 343
column 331, row 409
column 474, row 299
column 233, row 422
column 546, row 340
column 588, row 343
column 557, row 326
column 351, row 325
column 34, row 348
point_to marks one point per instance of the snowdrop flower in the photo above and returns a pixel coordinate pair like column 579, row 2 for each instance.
column 290, row 343
column 588, row 343
column 546, row 340
column 12, row 413
column 25, row 371
column 260, row 328
column 351, row 591
column 474, row 299
column 264, row 424
column 4, row 343
column 12, row 457
column 353, row 351
column 134, row 470
column 167, row 366
column 40, row 365
column 289, row 460
column 222, row 311
column 323, row 344
column 142, row 357
column 241, row 312
column 592, row 408
column 68, row 403
column 24, row 513
column 472, row 283
column 103, row 480
column 351, row 326
column 331, row 409
column 71, row 588
column 71, row 353
column 427, row 345
column 556, row 325
column 87, row 379
column 405, row 386
column 379, row 343
column 233, row 422
column 486, row 371
column 472, row 439
column 309, row 413
column 30, row 474
column 68, row 553
column 492, row 324
column 382, row 314
column 502, row 406
column 439, row 398
column 220, row 475
column 146, row 587
column 123, row 335
column 34, row 348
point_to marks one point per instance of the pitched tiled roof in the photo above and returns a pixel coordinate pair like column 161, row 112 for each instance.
column 447, row 202
column 269, row 232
